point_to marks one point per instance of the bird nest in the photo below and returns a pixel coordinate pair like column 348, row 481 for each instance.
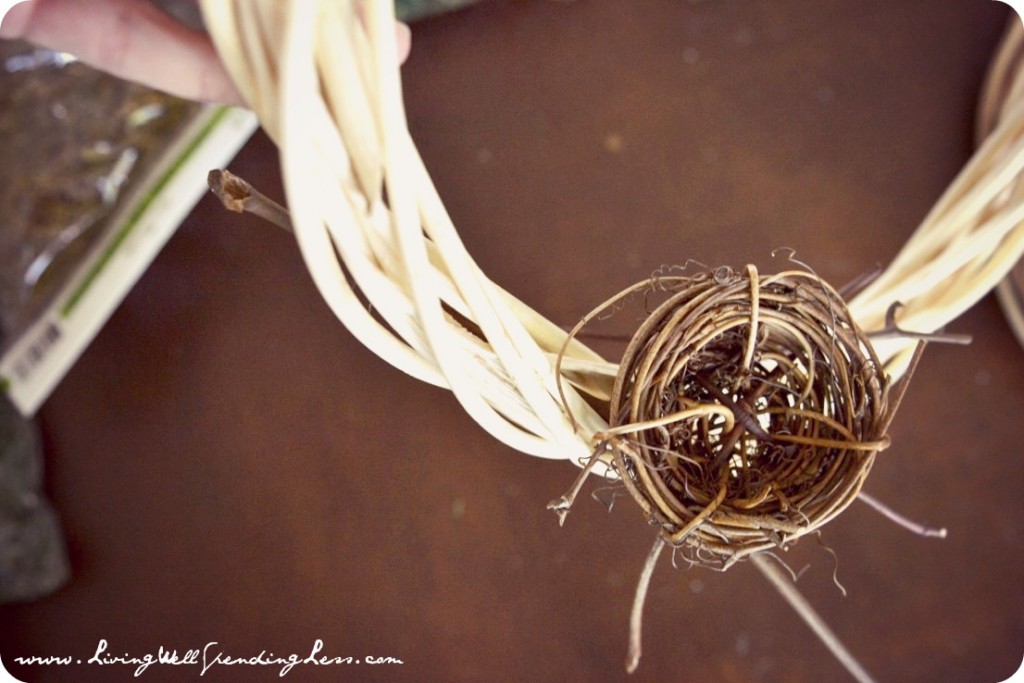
column 747, row 411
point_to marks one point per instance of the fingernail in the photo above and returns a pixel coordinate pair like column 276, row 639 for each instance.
column 403, row 38
column 403, row 32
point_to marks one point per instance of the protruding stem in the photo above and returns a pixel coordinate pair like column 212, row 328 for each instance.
column 799, row 603
column 636, row 615
column 562, row 505
column 908, row 524
column 859, row 283
column 238, row 195
column 894, row 331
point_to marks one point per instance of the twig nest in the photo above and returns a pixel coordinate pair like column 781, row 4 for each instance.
column 747, row 412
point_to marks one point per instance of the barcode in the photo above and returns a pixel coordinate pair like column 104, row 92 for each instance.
column 36, row 352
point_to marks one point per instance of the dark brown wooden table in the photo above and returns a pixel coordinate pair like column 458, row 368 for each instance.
column 231, row 466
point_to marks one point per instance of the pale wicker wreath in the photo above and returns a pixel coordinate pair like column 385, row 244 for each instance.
column 324, row 79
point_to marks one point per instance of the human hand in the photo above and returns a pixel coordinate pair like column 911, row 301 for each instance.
column 134, row 40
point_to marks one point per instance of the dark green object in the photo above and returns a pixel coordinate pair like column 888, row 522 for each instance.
column 410, row 10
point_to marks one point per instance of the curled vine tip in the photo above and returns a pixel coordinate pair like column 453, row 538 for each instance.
column 892, row 330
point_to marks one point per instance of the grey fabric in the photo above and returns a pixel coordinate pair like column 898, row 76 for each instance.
column 33, row 557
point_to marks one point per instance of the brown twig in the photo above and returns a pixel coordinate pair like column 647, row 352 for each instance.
column 894, row 331
column 636, row 614
column 813, row 620
column 859, row 283
column 893, row 516
column 239, row 196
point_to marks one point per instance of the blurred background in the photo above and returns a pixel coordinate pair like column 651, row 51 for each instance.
column 229, row 465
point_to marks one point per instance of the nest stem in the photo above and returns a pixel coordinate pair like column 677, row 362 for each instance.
column 811, row 618
column 893, row 516
column 238, row 195
column 636, row 615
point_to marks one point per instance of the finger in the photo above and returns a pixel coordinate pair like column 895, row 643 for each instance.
column 136, row 41
column 130, row 39
column 403, row 39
